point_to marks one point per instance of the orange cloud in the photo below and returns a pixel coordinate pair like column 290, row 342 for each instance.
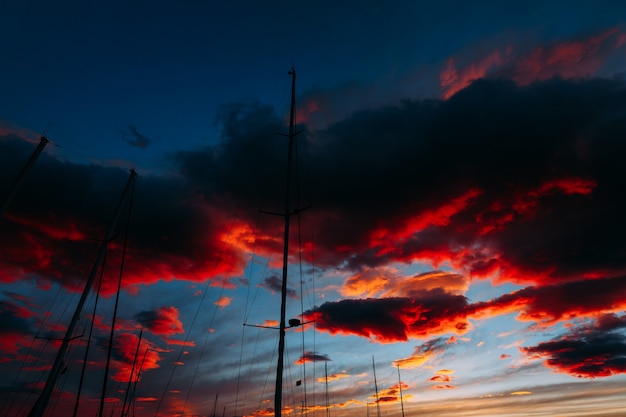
column 440, row 378
column 223, row 302
column 388, row 282
column 334, row 377
column 422, row 354
column 438, row 387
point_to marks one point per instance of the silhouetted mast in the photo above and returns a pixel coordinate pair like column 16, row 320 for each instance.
column 287, row 214
column 215, row 405
column 18, row 182
column 327, row 399
column 376, row 387
column 400, row 386
column 42, row 402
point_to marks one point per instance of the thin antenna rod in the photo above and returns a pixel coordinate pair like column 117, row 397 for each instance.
column 86, row 356
column 18, row 182
column 42, row 402
column 115, row 308
column 400, row 386
column 376, row 387
column 278, row 393
column 327, row 399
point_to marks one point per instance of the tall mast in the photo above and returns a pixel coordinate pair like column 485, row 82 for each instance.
column 16, row 185
column 327, row 399
column 42, row 402
column 400, row 386
column 376, row 388
column 278, row 393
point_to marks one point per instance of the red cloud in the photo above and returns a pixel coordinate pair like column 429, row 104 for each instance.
column 125, row 348
column 596, row 350
column 550, row 304
column 163, row 321
column 452, row 80
column 526, row 204
column 435, row 312
column 386, row 239
column 440, row 378
column 311, row 357
column 390, row 320
column 569, row 59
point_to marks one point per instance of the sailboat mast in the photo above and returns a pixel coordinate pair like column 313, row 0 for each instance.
column 278, row 393
column 43, row 141
column 327, row 399
column 400, row 386
column 42, row 402
column 376, row 388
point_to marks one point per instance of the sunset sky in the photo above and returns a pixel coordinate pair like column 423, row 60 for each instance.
column 460, row 167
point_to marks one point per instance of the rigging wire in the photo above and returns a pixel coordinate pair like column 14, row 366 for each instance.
column 245, row 313
column 93, row 317
column 193, row 321
column 206, row 337
column 267, row 375
column 41, row 351
column 117, row 297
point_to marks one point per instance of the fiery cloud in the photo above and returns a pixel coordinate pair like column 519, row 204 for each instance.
column 124, row 349
column 549, row 304
column 422, row 354
column 223, row 302
column 594, row 350
column 440, row 378
column 388, row 320
column 312, row 357
column 387, row 282
column 163, row 321
column 568, row 59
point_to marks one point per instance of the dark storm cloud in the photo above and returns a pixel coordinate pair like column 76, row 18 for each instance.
column 502, row 140
column 163, row 321
column 274, row 284
column 312, row 357
column 596, row 350
column 394, row 319
column 63, row 209
column 250, row 160
column 436, row 312
column 549, row 304
column 520, row 181
column 133, row 137
column 13, row 319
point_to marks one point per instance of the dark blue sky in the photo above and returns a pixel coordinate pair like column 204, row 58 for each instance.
column 94, row 68
column 462, row 161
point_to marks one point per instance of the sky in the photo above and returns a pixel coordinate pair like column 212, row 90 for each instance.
column 457, row 207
